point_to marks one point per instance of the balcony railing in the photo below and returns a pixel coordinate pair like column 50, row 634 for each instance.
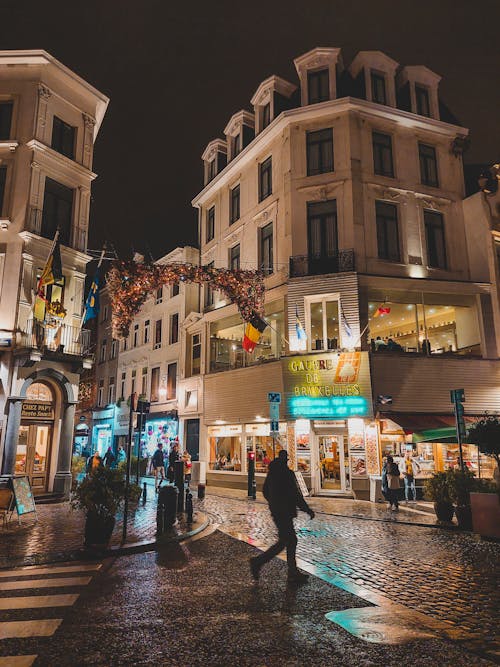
column 315, row 265
column 78, row 234
column 58, row 338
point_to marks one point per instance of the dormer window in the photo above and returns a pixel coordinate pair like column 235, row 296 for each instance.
column 214, row 159
column 378, row 88
column 318, row 86
column 212, row 170
column 239, row 132
column 266, row 115
column 270, row 99
column 236, row 145
column 422, row 101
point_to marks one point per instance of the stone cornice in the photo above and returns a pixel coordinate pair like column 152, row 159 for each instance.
column 59, row 161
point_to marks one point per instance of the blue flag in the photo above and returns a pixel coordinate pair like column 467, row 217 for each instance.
column 92, row 303
column 301, row 334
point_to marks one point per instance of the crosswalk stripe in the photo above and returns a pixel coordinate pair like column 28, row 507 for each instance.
column 17, row 660
column 18, row 629
column 37, row 601
column 44, row 583
column 29, row 571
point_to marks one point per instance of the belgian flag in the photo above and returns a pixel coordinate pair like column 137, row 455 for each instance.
column 253, row 331
column 52, row 271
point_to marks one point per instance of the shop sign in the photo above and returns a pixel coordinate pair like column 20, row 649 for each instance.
column 37, row 410
column 328, row 386
column 103, row 414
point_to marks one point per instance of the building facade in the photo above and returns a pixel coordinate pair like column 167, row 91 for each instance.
column 346, row 190
column 49, row 120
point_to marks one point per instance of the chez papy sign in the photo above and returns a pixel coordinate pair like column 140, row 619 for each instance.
column 37, row 410
column 330, row 386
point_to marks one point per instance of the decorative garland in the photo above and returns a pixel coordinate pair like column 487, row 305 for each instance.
column 130, row 284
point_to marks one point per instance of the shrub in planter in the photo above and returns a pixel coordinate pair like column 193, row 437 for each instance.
column 78, row 467
column 460, row 486
column 436, row 489
column 485, row 433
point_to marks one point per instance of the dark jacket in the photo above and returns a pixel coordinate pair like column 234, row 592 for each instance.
column 281, row 491
column 157, row 459
column 173, row 457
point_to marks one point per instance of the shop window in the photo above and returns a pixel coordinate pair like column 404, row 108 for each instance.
column 265, row 178
column 57, row 211
column 428, row 165
column 174, row 328
column 318, row 86
column 195, row 354
column 303, row 446
column 225, row 448
column 262, row 445
column 234, row 258
column 319, row 152
column 378, row 88
column 387, row 231
column 100, row 394
column 155, row 384
column 434, row 235
column 171, row 382
column 382, row 154
column 111, row 390
column 156, row 431
column 422, row 100
column 3, row 179
column 63, row 138
column 226, row 337
column 5, row 120
column 234, row 204
column 266, row 252
column 324, row 324
column 147, row 331
column 144, row 382
column 432, row 327
column 158, row 327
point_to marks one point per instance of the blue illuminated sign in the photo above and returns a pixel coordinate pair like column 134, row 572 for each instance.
column 328, row 407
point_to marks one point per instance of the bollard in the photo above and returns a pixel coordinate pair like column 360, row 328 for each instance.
column 166, row 514
column 189, row 506
column 144, row 493
column 254, row 490
column 201, row 491
column 179, row 483
column 251, row 474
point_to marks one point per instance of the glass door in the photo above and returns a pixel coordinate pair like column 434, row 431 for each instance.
column 334, row 463
column 32, row 455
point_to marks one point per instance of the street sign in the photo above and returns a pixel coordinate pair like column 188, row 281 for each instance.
column 274, row 397
column 274, row 411
column 275, row 427
column 457, row 398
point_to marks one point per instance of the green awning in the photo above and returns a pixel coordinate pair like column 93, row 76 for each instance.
column 446, row 434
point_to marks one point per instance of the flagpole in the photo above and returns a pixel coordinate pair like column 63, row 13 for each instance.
column 366, row 328
column 52, row 248
column 99, row 263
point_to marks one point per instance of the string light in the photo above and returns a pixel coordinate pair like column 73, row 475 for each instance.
column 130, row 283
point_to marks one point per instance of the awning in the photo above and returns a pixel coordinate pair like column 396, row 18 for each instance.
column 426, row 427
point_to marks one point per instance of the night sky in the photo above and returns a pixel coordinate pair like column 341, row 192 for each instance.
column 177, row 71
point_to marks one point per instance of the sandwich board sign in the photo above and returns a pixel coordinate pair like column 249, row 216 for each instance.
column 23, row 495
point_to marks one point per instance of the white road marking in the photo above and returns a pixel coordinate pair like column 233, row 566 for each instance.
column 29, row 571
column 36, row 601
column 17, row 660
column 18, row 629
column 44, row 583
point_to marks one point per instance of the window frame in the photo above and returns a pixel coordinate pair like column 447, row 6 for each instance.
column 377, row 77
column 235, row 257
column 381, row 225
column 58, row 139
column 3, row 187
column 51, row 223
column 111, row 391
column 7, row 123
column 210, row 224
column 323, row 299
column 266, row 178
column 195, row 344
column 147, row 331
column 313, row 140
column 424, row 161
column 422, row 93
column 265, row 115
column 317, row 78
column 378, row 150
column 174, row 329
column 154, row 389
column 234, row 204
column 158, row 334
column 266, row 248
column 171, row 395
column 430, row 223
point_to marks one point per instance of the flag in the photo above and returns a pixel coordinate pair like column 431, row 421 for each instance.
column 253, row 331
column 301, row 334
column 92, row 303
column 52, row 271
column 384, row 399
column 382, row 310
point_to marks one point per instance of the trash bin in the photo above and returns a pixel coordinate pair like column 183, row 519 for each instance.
column 201, row 491
column 166, row 514
column 376, row 495
column 198, row 473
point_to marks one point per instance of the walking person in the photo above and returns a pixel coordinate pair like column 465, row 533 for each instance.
column 94, row 462
column 392, row 473
column 172, row 458
column 284, row 497
column 121, row 455
column 158, row 466
column 109, row 458
column 410, row 471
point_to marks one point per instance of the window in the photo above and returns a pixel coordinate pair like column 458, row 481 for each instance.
column 428, row 165
column 236, row 148
column 114, row 347
column 318, row 86
column 171, row 381
column 124, row 344
column 210, row 223
column 195, row 354
column 387, row 231
column 57, row 211
column 322, row 239
column 434, row 234
column 63, row 138
column 382, row 154
column 102, row 356
column 266, row 249
column 132, row 386
column 422, row 100
column 324, row 323
column 100, row 394
column 234, row 257
column 212, row 170
column 147, row 332
column 319, row 152
column 3, row 178
column 5, row 120
column 209, row 292
column 174, row 328
column 104, row 313
column 266, row 115
column 111, row 390
column 159, row 295
column 265, row 178
column 157, row 334
column 234, row 213
column 378, row 88
column 155, row 384
column 175, row 289
column 144, row 381
column 135, row 337
column 122, row 385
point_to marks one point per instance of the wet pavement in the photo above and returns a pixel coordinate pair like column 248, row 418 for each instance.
column 194, row 604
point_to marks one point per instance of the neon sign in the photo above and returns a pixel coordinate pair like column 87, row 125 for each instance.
column 330, row 407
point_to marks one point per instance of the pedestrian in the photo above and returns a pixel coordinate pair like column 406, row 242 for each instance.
column 385, row 489
column 158, row 466
column 186, row 457
column 120, row 455
column 172, row 458
column 283, row 496
column 410, row 470
column 109, row 458
column 392, row 473
column 95, row 462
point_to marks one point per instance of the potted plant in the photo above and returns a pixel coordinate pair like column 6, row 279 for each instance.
column 460, row 485
column 485, row 501
column 99, row 495
column 78, row 467
column 436, row 489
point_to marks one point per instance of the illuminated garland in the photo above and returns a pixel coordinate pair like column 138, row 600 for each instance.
column 84, row 392
column 130, row 284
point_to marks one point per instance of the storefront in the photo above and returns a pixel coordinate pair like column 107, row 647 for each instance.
column 160, row 427
column 103, row 422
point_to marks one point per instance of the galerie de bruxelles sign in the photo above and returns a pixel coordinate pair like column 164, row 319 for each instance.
column 328, row 386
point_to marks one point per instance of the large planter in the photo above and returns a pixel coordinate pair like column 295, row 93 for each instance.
column 98, row 530
column 464, row 516
column 486, row 514
column 444, row 511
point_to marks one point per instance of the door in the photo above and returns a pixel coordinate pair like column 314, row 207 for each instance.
column 334, row 463
column 193, row 438
column 32, row 455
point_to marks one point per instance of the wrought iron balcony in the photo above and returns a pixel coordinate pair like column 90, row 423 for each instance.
column 54, row 337
column 315, row 265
